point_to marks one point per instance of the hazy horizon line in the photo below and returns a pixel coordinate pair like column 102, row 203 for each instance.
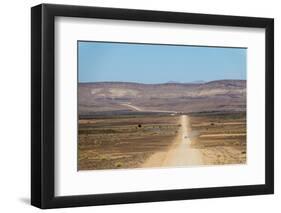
column 168, row 82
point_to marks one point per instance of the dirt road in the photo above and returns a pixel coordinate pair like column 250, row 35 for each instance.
column 132, row 107
column 181, row 153
column 138, row 109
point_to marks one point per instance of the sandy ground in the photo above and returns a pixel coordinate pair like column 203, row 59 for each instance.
column 180, row 153
column 162, row 141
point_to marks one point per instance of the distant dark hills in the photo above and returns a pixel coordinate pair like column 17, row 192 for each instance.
column 126, row 97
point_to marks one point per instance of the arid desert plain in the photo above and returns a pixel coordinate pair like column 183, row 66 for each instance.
column 131, row 125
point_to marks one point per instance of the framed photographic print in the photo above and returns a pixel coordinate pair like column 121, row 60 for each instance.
column 140, row 106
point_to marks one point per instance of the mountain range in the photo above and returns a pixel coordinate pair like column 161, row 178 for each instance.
column 126, row 97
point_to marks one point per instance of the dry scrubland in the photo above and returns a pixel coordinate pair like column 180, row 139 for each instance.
column 128, row 141
column 123, row 141
column 221, row 138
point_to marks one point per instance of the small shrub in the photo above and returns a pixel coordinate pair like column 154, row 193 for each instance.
column 118, row 165
column 104, row 158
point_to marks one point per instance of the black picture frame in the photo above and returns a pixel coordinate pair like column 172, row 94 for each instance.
column 43, row 102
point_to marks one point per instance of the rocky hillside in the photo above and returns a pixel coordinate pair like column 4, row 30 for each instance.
column 222, row 95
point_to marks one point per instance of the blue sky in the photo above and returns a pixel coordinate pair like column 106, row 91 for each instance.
column 145, row 63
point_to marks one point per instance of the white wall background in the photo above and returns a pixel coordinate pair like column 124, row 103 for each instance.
column 15, row 105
